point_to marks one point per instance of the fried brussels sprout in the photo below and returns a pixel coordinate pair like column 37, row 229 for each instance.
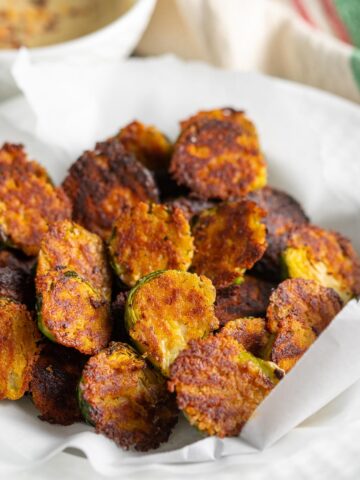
column 54, row 382
column 283, row 213
column 191, row 207
column 251, row 332
column 165, row 310
column 104, row 181
column 228, row 240
column 28, row 200
column 249, row 299
column 71, row 312
column 18, row 348
column 126, row 400
column 218, row 157
column 324, row 256
column 68, row 246
column 298, row 312
column 218, row 384
column 147, row 143
column 147, row 238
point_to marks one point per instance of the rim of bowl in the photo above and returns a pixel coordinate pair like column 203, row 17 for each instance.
column 84, row 39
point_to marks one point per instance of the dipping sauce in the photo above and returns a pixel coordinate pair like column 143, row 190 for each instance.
column 37, row 23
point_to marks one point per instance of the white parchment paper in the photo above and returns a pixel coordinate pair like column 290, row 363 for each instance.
column 312, row 143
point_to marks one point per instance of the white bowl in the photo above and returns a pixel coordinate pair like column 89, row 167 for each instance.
column 114, row 41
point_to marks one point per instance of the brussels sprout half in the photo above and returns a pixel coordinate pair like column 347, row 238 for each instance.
column 148, row 238
column 19, row 348
column 229, row 239
column 219, row 385
column 72, row 313
column 251, row 332
column 165, row 310
column 126, row 399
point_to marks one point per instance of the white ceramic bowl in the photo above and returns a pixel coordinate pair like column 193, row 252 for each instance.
column 114, row 41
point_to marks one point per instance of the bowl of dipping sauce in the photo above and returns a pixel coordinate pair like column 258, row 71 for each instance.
column 76, row 29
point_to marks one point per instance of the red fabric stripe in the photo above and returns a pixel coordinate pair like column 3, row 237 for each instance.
column 303, row 11
column 335, row 21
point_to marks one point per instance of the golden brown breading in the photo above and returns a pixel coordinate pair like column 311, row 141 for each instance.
column 298, row 312
column 190, row 207
column 283, row 213
column 167, row 309
column 147, row 238
column 228, row 240
column 226, row 114
column 18, row 348
column 218, row 384
column 147, row 143
column 104, row 181
column 54, row 382
column 218, row 158
column 126, row 400
column 68, row 246
column 324, row 256
column 249, row 299
column 251, row 332
column 71, row 312
column 28, row 200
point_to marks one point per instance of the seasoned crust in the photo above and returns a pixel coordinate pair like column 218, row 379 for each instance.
column 251, row 332
column 191, row 207
column 324, row 256
column 298, row 312
column 229, row 239
column 68, row 246
column 54, row 382
column 218, row 159
column 226, row 114
column 71, row 312
column 28, row 200
column 283, row 213
column 147, row 238
column 166, row 310
column 126, row 400
column 249, row 299
column 219, row 385
column 147, row 143
column 18, row 348
column 104, row 181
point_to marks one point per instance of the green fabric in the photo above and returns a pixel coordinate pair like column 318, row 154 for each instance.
column 349, row 12
column 355, row 65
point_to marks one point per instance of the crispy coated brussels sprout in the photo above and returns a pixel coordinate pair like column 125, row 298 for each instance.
column 28, row 200
column 249, row 299
column 324, row 256
column 54, row 382
column 283, row 213
column 218, row 384
column 167, row 309
column 251, row 332
column 228, row 240
column 104, row 181
column 190, row 206
column 298, row 312
column 71, row 312
column 148, row 238
column 126, row 400
column 18, row 348
column 68, row 246
column 147, row 143
column 216, row 156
